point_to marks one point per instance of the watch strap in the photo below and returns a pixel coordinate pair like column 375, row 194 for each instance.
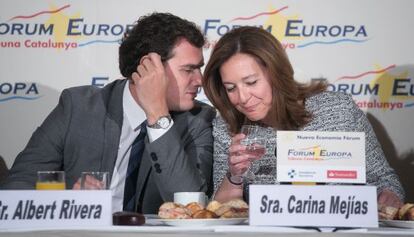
column 235, row 180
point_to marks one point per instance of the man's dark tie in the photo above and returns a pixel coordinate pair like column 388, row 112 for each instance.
column 132, row 171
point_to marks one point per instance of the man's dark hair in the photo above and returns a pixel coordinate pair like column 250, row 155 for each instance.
column 158, row 33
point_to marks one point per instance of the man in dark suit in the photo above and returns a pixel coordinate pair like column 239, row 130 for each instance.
column 93, row 129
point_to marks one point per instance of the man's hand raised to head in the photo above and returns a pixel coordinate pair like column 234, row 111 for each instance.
column 150, row 85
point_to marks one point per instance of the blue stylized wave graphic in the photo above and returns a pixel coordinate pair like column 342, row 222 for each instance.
column 331, row 42
column 19, row 98
column 409, row 105
column 99, row 41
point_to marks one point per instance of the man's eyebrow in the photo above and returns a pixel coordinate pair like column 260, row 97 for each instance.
column 193, row 66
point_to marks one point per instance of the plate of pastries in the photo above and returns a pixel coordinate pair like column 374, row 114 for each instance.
column 402, row 217
column 233, row 212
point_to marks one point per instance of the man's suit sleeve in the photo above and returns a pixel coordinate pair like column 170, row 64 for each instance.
column 182, row 159
column 44, row 150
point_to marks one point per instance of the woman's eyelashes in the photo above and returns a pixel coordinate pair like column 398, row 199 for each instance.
column 230, row 88
column 250, row 83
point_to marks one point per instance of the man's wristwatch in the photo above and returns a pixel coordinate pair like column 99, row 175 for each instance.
column 162, row 122
column 236, row 180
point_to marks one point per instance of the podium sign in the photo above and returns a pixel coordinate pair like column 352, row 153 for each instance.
column 320, row 206
column 326, row 157
column 64, row 208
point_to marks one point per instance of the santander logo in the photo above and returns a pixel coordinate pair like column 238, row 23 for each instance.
column 341, row 174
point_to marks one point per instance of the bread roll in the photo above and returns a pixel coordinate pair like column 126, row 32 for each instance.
column 170, row 210
column 388, row 213
column 213, row 206
column 237, row 203
column 222, row 209
column 169, row 205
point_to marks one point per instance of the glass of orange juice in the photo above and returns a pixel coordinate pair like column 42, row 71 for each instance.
column 50, row 180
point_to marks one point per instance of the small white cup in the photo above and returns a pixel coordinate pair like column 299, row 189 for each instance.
column 186, row 197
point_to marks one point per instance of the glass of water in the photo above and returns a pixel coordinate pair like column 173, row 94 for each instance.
column 255, row 142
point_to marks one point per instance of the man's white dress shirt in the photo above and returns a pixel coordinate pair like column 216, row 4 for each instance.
column 133, row 117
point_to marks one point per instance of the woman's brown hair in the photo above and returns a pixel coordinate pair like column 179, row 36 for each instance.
column 288, row 108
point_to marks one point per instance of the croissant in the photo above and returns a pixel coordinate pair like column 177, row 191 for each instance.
column 193, row 207
column 236, row 213
column 204, row 214
column 235, row 208
column 406, row 212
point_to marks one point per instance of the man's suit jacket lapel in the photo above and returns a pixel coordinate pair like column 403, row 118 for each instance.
column 143, row 173
column 145, row 168
column 113, row 124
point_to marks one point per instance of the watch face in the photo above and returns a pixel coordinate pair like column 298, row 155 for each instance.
column 163, row 122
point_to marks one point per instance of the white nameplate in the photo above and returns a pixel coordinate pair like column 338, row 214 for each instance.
column 305, row 205
column 65, row 208
column 326, row 157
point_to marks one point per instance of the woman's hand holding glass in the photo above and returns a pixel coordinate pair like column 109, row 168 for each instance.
column 239, row 159
column 246, row 147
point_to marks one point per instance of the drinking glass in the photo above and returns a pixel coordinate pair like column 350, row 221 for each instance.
column 50, row 180
column 94, row 180
column 255, row 142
